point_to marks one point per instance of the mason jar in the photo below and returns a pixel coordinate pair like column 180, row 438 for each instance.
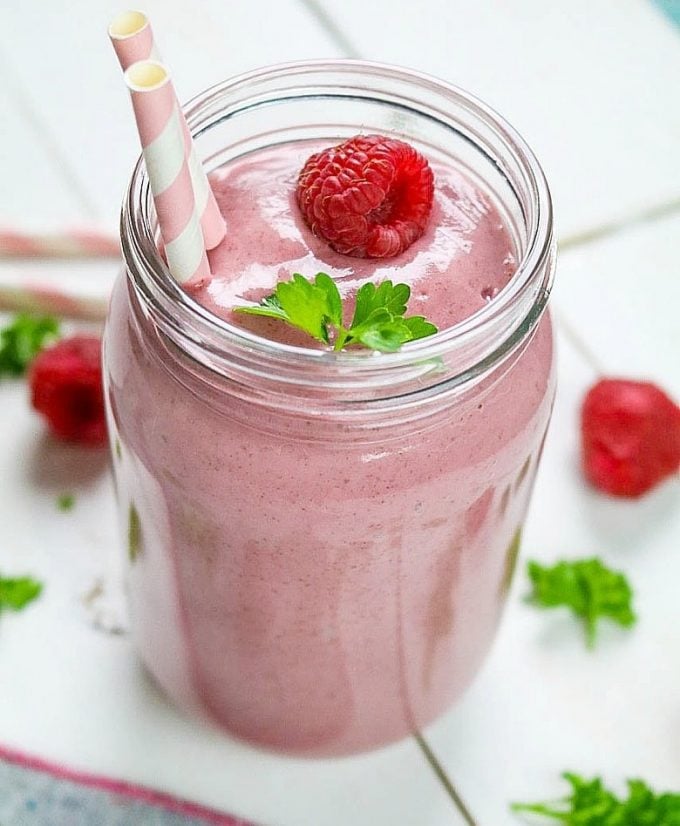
column 319, row 544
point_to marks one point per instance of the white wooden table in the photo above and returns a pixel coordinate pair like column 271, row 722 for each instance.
column 593, row 88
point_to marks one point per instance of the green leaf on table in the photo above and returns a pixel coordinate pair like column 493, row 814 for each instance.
column 591, row 804
column 16, row 593
column 316, row 307
column 66, row 502
column 23, row 339
column 587, row 587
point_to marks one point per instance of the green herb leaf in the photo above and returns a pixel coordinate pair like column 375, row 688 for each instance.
column 591, row 804
column 15, row 594
column 316, row 307
column 419, row 327
column 134, row 534
column 333, row 299
column 386, row 296
column 66, row 502
column 269, row 306
column 23, row 339
column 381, row 332
column 588, row 588
column 303, row 304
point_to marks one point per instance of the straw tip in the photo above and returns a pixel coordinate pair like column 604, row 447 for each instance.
column 127, row 24
column 146, row 75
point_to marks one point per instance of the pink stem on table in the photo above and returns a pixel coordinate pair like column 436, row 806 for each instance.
column 72, row 243
column 41, row 299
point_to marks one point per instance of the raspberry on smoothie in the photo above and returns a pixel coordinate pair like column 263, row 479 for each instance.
column 454, row 248
column 369, row 197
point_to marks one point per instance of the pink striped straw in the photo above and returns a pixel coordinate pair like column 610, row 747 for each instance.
column 133, row 40
column 70, row 243
column 43, row 298
column 159, row 123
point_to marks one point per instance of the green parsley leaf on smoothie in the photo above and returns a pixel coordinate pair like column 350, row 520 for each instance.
column 15, row 594
column 592, row 804
column 23, row 339
column 316, row 307
column 585, row 586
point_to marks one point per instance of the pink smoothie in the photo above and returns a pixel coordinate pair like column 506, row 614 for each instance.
column 310, row 585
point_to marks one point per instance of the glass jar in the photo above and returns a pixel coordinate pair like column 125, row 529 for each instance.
column 320, row 544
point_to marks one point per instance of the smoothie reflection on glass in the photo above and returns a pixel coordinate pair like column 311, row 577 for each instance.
column 321, row 542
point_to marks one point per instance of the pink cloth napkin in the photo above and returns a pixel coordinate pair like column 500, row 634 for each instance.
column 34, row 792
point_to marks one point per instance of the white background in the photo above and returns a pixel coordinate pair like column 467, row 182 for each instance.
column 593, row 88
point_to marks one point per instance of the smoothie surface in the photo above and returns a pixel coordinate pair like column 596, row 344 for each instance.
column 464, row 258
column 316, row 582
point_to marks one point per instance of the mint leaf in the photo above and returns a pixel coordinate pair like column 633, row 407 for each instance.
column 590, row 589
column 23, row 339
column 591, row 804
column 15, row 594
column 316, row 307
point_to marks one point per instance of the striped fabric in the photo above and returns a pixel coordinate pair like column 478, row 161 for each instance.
column 36, row 793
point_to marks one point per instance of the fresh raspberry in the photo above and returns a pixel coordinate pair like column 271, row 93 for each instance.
column 66, row 387
column 369, row 197
column 630, row 436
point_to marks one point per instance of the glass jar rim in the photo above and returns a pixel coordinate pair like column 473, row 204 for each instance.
column 194, row 328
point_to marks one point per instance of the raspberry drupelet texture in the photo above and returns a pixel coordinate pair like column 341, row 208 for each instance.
column 630, row 433
column 369, row 197
column 66, row 388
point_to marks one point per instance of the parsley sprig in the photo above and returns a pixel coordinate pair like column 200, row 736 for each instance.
column 66, row 502
column 591, row 804
column 316, row 307
column 15, row 594
column 586, row 586
column 23, row 339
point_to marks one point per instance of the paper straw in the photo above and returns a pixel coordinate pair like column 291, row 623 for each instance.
column 36, row 298
column 159, row 123
column 132, row 40
column 71, row 243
